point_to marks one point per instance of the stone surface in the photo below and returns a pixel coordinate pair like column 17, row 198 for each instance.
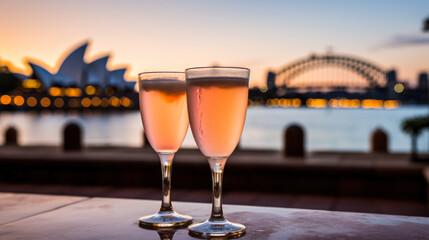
column 342, row 174
column 15, row 206
column 107, row 218
column 333, row 203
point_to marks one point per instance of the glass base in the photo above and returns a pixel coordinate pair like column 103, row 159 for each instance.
column 210, row 229
column 165, row 219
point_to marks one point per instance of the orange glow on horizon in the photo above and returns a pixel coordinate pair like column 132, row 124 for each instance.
column 49, row 38
column 12, row 67
column 258, row 72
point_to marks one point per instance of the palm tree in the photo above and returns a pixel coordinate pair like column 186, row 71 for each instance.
column 414, row 126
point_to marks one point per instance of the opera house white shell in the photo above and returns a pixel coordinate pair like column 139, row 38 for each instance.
column 74, row 72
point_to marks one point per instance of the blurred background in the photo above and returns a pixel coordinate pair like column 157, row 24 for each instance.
column 338, row 101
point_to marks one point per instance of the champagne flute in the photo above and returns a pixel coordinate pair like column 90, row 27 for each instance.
column 217, row 104
column 165, row 120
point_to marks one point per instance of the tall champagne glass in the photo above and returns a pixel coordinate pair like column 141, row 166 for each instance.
column 165, row 120
column 217, row 104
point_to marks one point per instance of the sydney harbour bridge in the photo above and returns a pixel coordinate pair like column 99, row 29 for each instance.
column 335, row 76
column 374, row 75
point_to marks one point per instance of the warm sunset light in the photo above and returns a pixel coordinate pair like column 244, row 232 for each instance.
column 59, row 103
column 18, row 100
column 96, row 101
column 74, row 103
column 31, row 83
column 86, row 102
column 56, row 91
column 114, row 101
column 296, row 102
column 104, row 102
column 316, row 111
column 5, row 99
column 126, row 102
column 90, row 90
column 391, row 104
column 399, row 88
column 45, row 102
column 372, row 103
column 344, row 103
column 281, row 102
column 73, row 92
column 31, row 101
column 109, row 91
column 317, row 103
column 397, row 41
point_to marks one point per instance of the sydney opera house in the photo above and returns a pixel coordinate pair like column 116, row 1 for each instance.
column 75, row 72
column 76, row 84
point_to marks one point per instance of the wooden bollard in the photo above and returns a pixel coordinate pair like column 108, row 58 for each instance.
column 294, row 138
column 11, row 137
column 379, row 141
column 72, row 137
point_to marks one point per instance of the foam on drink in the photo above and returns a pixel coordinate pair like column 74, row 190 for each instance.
column 166, row 86
column 219, row 82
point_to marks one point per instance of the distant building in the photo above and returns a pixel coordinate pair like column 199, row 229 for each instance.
column 423, row 81
column 391, row 78
column 426, row 25
column 271, row 80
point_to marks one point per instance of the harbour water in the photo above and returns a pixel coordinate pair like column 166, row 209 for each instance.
column 325, row 129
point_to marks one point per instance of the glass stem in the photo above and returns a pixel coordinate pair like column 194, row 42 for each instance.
column 166, row 162
column 217, row 165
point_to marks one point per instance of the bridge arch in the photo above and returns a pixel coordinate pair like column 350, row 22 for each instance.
column 374, row 75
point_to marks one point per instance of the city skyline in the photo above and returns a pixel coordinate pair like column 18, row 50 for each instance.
column 150, row 36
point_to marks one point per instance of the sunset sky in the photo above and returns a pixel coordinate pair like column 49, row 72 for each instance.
column 174, row 35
